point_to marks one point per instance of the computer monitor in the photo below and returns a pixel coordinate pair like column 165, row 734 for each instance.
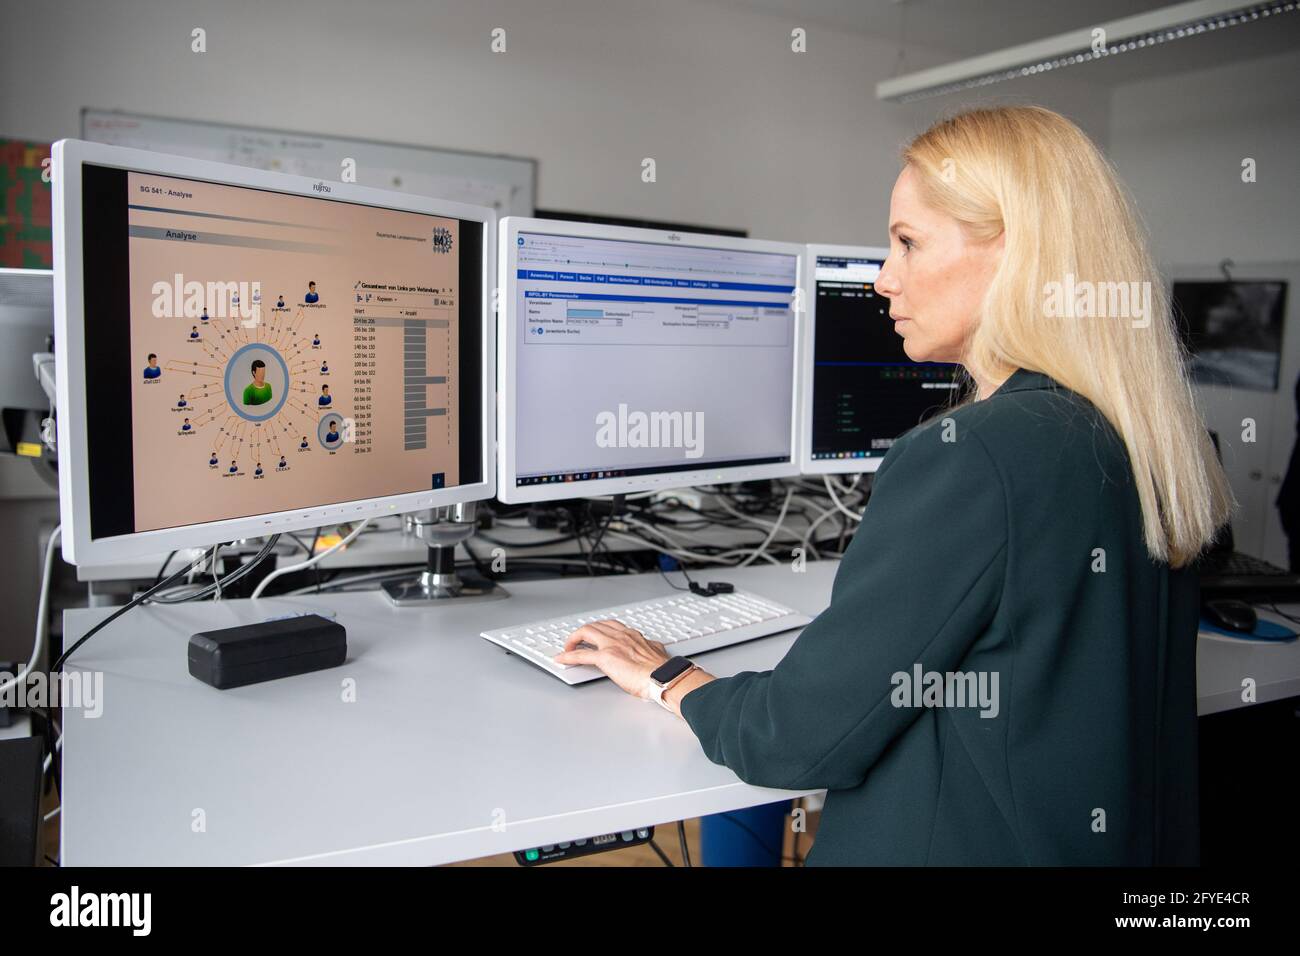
column 860, row 390
column 241, row 353
column 633, row 359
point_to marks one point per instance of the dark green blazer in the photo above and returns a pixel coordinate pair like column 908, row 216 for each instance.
column 1002, row 540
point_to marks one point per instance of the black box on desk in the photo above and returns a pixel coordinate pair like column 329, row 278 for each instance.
column 235, row 656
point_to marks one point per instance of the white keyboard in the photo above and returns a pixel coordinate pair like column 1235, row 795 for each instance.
column 687, row 623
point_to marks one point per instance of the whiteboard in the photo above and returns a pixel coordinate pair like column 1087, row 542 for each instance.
column 506, row 183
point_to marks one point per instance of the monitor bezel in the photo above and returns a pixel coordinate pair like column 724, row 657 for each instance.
column 507, row 351
column 69, row 156
column 807, row 464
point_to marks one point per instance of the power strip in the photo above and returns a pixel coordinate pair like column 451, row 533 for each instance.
column 569, row 850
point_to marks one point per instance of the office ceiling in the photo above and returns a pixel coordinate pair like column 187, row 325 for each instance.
column 937, row 31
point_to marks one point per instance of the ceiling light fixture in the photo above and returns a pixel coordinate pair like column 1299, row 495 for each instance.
column 1080, row 46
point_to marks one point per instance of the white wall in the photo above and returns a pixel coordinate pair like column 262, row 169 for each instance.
column 1179, row 142
column 744, row 132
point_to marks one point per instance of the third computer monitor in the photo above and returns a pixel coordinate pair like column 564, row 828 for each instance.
column 860, row 390
column 634, row 359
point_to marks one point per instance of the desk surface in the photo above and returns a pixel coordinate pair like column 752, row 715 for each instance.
column 448, row 736
column 1223, row 663
column 453, row 749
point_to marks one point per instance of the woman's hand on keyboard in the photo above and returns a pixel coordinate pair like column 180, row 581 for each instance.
column 624, row 655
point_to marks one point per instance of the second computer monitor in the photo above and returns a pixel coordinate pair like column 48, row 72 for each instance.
column 860, row 389
column 634, row 359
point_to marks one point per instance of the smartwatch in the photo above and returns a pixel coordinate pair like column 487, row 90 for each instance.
column 665, row 676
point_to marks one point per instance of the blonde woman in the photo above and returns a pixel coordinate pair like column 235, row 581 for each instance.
column 1006, row 671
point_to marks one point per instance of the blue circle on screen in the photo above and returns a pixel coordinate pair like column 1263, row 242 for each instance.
column 239, row 366
column 322, row 429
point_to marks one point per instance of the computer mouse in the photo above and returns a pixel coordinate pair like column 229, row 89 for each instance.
column 1231, row 615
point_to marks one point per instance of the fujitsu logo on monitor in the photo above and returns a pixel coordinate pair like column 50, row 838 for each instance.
column 673, row 237
column 321, row 187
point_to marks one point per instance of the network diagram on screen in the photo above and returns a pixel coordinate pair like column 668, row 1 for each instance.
column 288, row 351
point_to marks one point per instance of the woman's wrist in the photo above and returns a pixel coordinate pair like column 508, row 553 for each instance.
column 673, row 695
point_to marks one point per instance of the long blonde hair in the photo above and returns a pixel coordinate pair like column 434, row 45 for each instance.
column 1034, row 176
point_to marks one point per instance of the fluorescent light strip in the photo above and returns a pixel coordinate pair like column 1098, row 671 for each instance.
column 1069, row 49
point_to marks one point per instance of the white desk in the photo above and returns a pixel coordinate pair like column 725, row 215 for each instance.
column 447, row 730
column 1222, row 663
column 448, row 733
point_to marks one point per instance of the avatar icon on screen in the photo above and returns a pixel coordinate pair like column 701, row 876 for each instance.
column 332, row 435
column 311, row 295
column 152, row 370
column 258, row 391
column 324, row 396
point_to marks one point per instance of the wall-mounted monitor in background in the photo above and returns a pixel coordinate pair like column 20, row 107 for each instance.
column 241, row 353
column 860, row 390
column 634, row 360
column 1233, row 330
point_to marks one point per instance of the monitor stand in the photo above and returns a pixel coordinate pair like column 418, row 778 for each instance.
column 442, row 529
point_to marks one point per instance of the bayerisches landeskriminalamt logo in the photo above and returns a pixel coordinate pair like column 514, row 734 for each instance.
column 442, row 240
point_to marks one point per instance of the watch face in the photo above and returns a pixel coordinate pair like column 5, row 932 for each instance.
column 670, row 669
